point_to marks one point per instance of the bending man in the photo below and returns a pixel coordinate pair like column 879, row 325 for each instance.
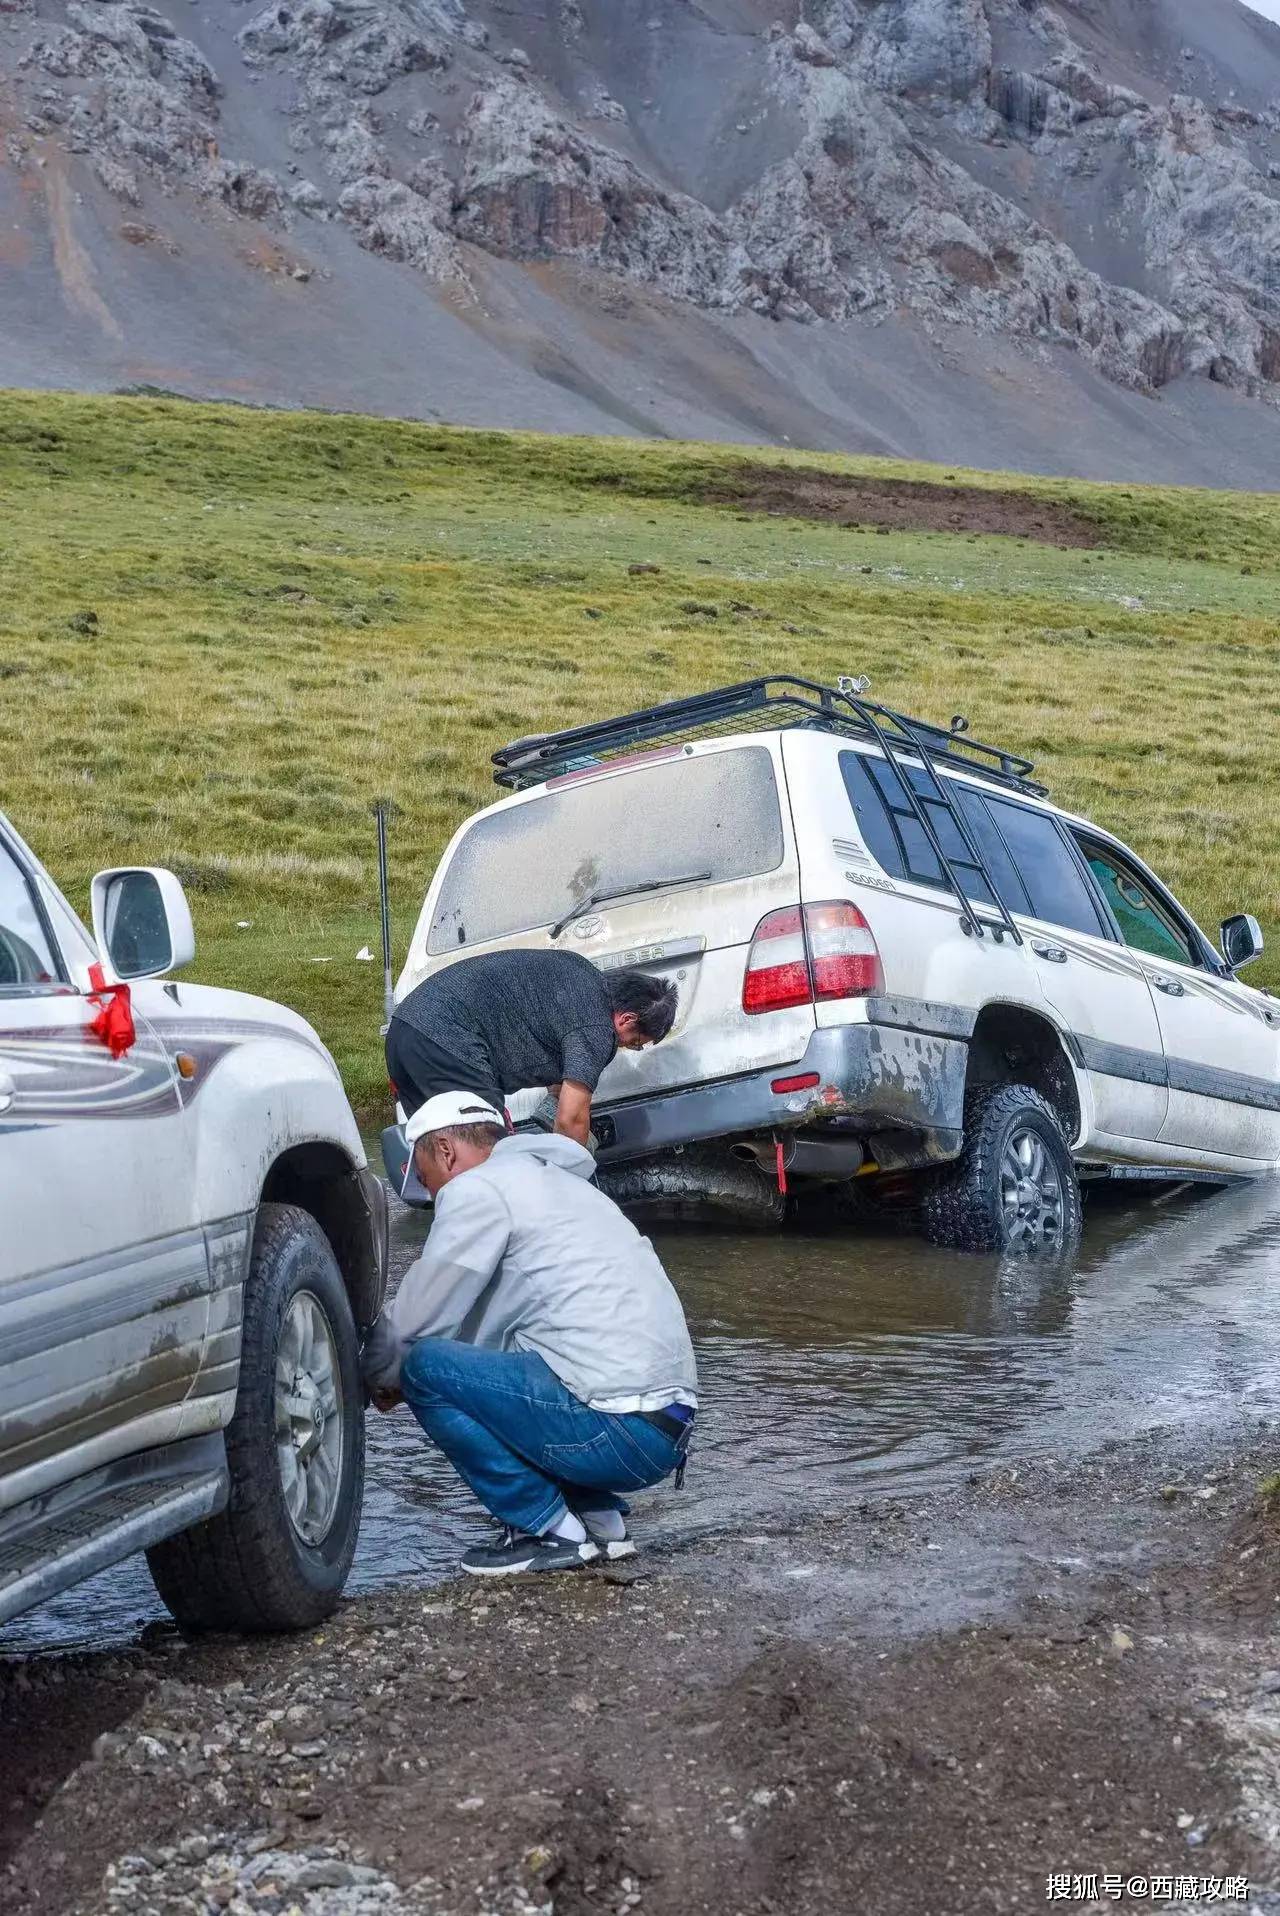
column 510, row 1020
column 537, row 1340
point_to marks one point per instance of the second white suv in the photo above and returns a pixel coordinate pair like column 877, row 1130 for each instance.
column 190, row 1245
column 895, row 956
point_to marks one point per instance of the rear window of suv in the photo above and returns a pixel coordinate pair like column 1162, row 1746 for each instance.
column 717, row 812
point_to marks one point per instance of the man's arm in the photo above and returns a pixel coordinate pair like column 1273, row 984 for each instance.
column 585, row 1055
column 467, row 1244
column 573, row 1112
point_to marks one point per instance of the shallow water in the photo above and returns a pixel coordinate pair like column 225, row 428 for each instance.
column 837, row 1368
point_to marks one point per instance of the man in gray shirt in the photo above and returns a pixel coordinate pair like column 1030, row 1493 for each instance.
column 510, row 1020
column 537, row 1339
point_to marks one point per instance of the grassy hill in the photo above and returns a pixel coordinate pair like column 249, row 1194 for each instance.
column 224, row 633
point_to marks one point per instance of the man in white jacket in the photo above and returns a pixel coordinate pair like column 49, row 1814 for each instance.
column 537, row 1340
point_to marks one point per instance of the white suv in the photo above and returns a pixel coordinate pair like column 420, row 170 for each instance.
column 895, row 957
column 190, row 1240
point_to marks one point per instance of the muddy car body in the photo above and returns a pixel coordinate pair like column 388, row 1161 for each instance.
column 191, row 1240
column 895, row 956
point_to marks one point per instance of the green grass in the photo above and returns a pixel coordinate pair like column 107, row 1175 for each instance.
column 296, row 614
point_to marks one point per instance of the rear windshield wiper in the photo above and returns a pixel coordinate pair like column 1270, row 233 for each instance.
column 624, row 891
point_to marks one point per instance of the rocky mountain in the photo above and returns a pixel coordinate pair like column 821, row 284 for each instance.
column 1033, row 232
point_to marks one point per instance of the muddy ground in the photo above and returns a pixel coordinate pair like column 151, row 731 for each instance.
column 923, row 1705
column 904, row 505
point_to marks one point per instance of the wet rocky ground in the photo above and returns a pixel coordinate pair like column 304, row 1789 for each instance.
column 974, row 1583
column 764, row 1723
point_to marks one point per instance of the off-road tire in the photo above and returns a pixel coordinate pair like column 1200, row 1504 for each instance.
column 695, row 1187
column 247, row 1568
column 960, row 1204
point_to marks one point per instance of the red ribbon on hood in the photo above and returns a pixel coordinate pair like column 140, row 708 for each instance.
column 114, row 1022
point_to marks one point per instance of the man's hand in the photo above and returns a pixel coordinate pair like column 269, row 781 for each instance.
column 386, row 1398
column 573, row 1112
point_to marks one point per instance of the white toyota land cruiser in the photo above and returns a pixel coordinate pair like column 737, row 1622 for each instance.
column 189, row 1239
column 897, row 961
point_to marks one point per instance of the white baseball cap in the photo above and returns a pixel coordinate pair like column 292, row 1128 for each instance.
column 448, row 1108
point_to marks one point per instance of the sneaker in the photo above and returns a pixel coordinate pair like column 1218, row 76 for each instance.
column 610, row 1548
column 515, row 1552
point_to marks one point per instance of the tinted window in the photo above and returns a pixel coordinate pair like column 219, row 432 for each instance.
column 1054, row 882
column 26, row 958
column 715, row 813
column 897, row 841
column 994, row 851
column 1143, row 919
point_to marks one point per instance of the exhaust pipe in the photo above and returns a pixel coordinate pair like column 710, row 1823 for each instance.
column 832, row 1158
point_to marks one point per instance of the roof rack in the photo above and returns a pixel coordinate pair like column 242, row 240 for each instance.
column 778, row 701
column 789, row 702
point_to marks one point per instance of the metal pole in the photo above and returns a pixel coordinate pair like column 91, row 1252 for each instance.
column 388, row 992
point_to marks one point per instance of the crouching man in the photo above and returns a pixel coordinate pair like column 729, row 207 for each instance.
column 537, row 1340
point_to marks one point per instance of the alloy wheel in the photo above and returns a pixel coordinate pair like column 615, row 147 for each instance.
column 1031, row 1193
column 309, row 1433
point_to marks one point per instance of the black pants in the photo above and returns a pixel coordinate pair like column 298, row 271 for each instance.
column 418, row 1069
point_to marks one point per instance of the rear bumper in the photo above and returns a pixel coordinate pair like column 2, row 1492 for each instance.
column 904, row 1089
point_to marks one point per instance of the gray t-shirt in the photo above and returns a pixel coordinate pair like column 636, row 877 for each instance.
column 518, row 1018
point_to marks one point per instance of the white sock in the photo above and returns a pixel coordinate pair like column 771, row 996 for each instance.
column 569, row 1528
column 609, row 1524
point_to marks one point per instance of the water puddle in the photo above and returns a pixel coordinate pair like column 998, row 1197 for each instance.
column 837, row 1368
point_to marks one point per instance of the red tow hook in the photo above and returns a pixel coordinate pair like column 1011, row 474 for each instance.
column 782, row 1169
column 114, row 1023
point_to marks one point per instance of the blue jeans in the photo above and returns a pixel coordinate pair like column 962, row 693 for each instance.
column 527, row 1447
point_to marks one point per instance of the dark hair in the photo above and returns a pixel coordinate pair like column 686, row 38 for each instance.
column 476, row 1135
column 653, row 1000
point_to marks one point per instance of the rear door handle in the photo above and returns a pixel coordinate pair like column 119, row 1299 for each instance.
column 8, row 1091
column 1170, row 987
column 1054, row 953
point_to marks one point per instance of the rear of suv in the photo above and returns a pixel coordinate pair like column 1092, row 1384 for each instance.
column 896, row 960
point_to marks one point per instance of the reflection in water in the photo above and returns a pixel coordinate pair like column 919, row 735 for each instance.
column 837, row 1367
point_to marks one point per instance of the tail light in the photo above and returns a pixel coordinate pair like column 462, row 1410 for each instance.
column 778, row 964
column 842, row 951
column 810, row 954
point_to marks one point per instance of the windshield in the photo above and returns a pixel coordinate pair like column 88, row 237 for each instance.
column 528, row 866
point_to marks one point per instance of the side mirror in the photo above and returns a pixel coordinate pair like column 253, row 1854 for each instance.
column 142, row 922
column 1241, row 940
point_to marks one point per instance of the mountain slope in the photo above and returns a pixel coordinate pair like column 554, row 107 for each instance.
column 1014, row 232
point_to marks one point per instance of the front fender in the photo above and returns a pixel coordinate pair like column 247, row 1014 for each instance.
column 256, row 1082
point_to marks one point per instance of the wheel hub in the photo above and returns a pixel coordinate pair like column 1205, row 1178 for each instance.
column 1031, row 1193
column 309, row 1431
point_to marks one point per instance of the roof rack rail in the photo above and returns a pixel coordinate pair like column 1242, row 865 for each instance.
column 781, row 700
column 792, row 703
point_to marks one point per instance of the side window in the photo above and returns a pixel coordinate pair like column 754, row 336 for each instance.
column 896, row 840
column 994, row 850
column 895, row 837
column 26, row 957
column 1144, row 921
column 1054, row 883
